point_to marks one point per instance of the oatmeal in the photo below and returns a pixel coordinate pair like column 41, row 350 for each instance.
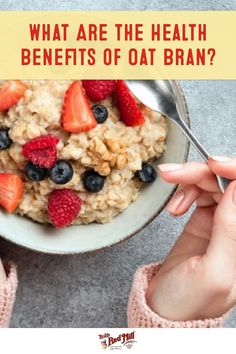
column 111, row 149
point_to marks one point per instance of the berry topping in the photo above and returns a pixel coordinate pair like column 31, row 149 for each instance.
column 5, row 141
column 42, row 150
column 98, row 90
column 93, row 181
column 77, row 114
column 10, row 93
column 100, row 113
column 147, row 174
column 35, row 173
column 61, row 172
column 128, row 107
column 11, row 191
column 63, row 207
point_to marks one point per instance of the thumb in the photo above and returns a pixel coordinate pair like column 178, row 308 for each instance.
column 222, row 246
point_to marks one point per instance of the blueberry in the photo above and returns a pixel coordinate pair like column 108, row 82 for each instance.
column 93, row 181
column 5, row 141
column 147, row 174
column 62, row 172
column 35, row 173
column 100, row 113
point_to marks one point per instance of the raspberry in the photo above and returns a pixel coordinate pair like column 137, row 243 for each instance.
column 128, row 107
column 98, row 90
column 41, row 151
column 63, row 207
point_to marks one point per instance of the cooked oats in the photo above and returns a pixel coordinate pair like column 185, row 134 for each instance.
column 112, row 149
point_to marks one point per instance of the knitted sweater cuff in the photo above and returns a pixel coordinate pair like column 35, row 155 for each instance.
column 7, row 295
column 140, row 315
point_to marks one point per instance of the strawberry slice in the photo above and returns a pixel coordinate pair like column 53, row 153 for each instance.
column 77, row 114
column 128, row 107
column 11, row 191
column 10, row 93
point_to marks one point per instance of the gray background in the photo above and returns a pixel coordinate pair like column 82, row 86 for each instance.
column 92, row 290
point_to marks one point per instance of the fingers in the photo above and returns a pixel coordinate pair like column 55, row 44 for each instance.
column 183, row 200
column 223, row 166
column 222, row 248
column 190, row 173
column 200, row 225
column 199, row 173
column 208, row 199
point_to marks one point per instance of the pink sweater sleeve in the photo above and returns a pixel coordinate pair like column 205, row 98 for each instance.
column 140, row 315
column 7, row 295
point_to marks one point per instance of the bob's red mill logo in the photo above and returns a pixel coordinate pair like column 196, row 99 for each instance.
column 126, row 340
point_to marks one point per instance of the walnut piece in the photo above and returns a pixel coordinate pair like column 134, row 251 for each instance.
column 107, row 154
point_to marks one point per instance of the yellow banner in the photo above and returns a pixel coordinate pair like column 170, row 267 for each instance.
column 117, row 44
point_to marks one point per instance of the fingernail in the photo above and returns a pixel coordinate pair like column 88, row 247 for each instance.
column 234, row 195
column 168, row 167
column 175, row 202
column 220, row 158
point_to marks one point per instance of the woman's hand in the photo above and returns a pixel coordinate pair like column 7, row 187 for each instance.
column 2, row 274
column 197, row 279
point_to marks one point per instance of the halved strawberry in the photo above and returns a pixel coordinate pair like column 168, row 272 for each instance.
column 128, row 107
column 77, row 114
column 11, row 191
column 10, row 93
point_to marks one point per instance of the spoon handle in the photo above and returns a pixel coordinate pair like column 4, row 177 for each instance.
column 222, row 182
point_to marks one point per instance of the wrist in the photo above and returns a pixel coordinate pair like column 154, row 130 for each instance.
column 152, row 295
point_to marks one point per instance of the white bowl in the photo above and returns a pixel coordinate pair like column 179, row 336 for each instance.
column 85, row 238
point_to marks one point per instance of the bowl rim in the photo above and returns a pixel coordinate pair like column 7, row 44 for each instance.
column 127, row 237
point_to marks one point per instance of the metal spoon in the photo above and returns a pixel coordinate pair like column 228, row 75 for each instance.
column 160, row 95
